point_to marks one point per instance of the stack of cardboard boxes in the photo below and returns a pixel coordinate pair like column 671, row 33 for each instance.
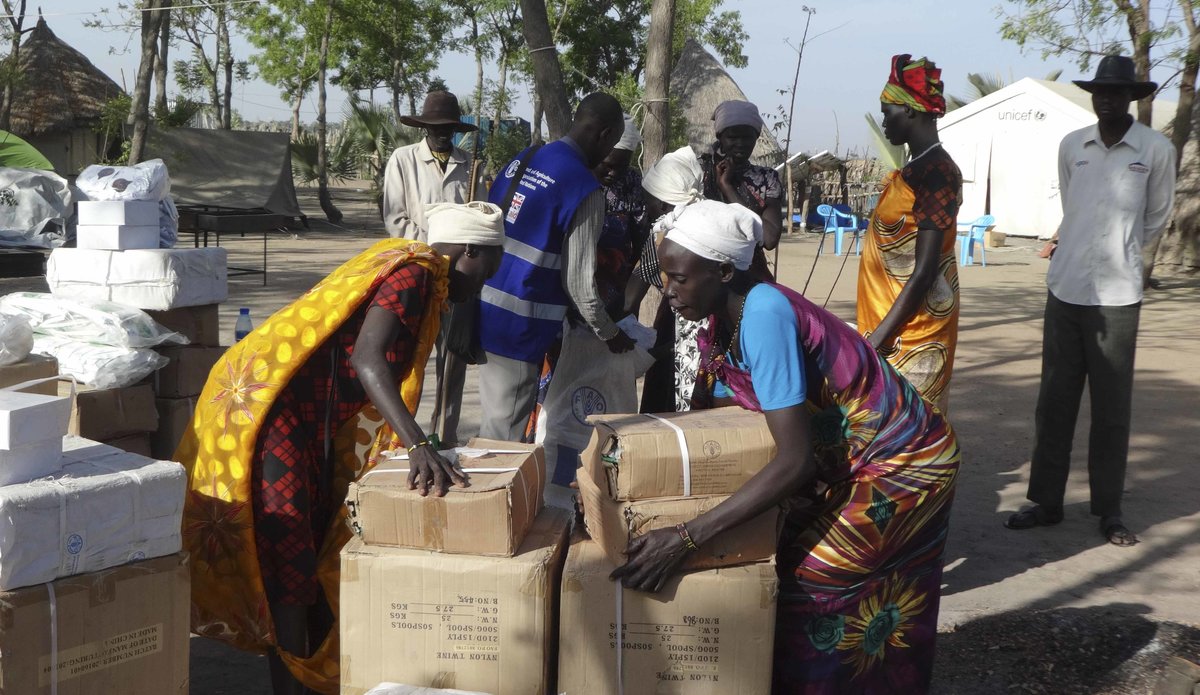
column 94, row 589
column 118, row 260
column 459, row 591
column 710, row 630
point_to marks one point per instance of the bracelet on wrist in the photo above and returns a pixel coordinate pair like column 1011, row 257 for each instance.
column 686, row 537
column 418, row 445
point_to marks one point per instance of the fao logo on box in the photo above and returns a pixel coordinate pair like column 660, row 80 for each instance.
column 712, row 449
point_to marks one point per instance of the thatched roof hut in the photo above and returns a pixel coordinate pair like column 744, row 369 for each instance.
column 59, row 99
column 699, row 83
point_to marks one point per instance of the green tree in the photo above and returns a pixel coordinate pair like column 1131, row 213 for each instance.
column 983, row 85
column 203, row 27
column 287, row 53
column 13, row 29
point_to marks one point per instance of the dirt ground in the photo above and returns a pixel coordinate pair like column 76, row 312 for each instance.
column 1042, row 611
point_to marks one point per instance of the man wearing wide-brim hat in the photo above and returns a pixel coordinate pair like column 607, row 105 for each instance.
column 1117, row 182
column 418, row 177
column 429, row 172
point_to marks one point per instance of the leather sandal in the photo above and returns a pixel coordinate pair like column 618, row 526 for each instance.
column 1116, row 532
column 1033, row 517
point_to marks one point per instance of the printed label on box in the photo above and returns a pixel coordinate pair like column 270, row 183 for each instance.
column 471, row 625
column 102, row 654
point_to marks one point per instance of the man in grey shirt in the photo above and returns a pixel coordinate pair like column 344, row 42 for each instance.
column 1117, row 180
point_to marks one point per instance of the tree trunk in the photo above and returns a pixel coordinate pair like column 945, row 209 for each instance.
column 547, row 73
column 475, row 41
column 16, row 21
column 1138, row 19
column 331, row 212
column 656, row 126
column 226, row 63
column 1178, row 245
column 1181, row 130
column 214, row 94
column 297, row 101
column 501, row 86
column 397, row 69
column 160, row 61
column 536, row 136
column 139, row 109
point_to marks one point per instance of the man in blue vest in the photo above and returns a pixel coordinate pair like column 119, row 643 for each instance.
column 552, row 226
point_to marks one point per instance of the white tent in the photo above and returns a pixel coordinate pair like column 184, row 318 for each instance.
column 1006, row 145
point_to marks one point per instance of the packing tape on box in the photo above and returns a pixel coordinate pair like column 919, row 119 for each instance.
column 683, row 450
column 53, row 600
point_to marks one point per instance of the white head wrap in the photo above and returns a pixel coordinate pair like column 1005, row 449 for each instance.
column 477, row 223
column 723, row 232
column 676, row 178
column 733, row 113
column 631, row 138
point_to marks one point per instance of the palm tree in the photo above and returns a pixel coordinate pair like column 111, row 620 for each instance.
column 983, row 85
column 889, row 154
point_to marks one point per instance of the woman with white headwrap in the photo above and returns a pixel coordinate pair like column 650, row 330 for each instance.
column 290, row 405
column 673, row 183
column 730, row 177
column 867, row 466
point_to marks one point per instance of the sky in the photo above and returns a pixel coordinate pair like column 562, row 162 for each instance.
column 845, row 63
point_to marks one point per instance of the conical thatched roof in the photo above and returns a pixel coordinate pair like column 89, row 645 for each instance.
column 699, row 83
column 58, row 88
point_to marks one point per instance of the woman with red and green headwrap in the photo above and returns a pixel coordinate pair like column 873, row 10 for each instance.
column 908, row 279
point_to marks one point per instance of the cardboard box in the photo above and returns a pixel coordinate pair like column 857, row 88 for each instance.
column 612, row 524
column 705, row 633
column 106, row 414
column 30, row 461
column 201, row 325
column 645, row 456
column 143, row 213
column 28, row 369
column 994, row 239
column 116, row 237
column 174, row 419
column 123, row 630
column 490, row 517
column 185, row 375
column 31, row 418
column 453, row 621
column 135, row 444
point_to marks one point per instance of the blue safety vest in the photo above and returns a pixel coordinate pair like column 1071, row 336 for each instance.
column 524, row 303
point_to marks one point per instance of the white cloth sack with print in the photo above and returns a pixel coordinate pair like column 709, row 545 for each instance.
column 34, row 208
column 100, row 366
column 89, row 320
column 588, row 380
column 146, row 180
column 104, row 507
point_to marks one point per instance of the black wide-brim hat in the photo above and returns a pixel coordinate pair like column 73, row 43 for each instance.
column 1118, row 71
column 440, row 108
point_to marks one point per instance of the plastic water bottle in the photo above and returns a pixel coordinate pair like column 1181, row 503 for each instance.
column 242, row 328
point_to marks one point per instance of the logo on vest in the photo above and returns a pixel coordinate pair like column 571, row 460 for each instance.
column 514, row 209
column 511, row 171
column 587, row 401
column 1139, row 168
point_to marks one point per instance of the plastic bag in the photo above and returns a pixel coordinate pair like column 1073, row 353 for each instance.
column 588, row 380
column 89, row 320
column 16, row 339
column 146, row 180
column 168, row 223
column 101, row 366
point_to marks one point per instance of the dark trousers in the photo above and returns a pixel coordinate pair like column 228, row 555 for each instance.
column 1095, row 344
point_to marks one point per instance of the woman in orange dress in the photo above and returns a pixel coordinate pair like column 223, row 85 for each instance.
column 908, row 279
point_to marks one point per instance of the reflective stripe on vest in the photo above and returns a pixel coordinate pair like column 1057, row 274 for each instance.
column 522, row 307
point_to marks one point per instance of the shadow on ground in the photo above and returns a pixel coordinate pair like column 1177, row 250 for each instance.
column 1108, row 650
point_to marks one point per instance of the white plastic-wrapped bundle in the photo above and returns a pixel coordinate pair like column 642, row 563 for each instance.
column 104, row 507
column 100, row 366
column 88, row 320
column 156, row 279
column 16, row 338
column 146, row 180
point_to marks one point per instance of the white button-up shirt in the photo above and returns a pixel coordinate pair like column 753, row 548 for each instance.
column 414, row 180
column 1116, row 200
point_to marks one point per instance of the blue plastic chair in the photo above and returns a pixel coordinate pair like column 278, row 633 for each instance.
column 839, row 222
column 970, row 234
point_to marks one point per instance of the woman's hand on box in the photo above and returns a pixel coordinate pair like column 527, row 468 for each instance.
column 651, row 560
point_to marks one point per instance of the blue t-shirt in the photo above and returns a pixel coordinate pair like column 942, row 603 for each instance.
column 770, row 344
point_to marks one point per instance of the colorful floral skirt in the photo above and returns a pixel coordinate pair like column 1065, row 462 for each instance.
column 875, row 631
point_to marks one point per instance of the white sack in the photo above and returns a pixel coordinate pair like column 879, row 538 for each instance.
column 105, row 507
column 34, row 208
column 159, row 279
column 146, row 180
column 89, row 320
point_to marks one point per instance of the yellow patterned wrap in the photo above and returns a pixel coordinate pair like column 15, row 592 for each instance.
column 926, row 344
column 228, row 599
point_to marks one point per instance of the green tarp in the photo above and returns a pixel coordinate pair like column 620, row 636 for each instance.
column 15, row 153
